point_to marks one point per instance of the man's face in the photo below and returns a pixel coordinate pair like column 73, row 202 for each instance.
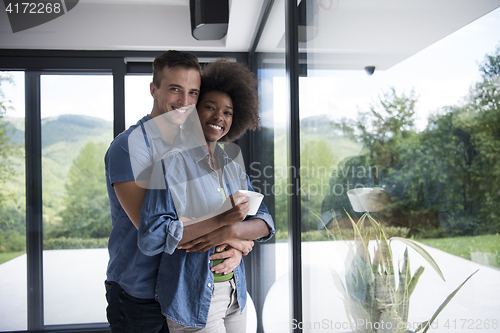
column 179, row 88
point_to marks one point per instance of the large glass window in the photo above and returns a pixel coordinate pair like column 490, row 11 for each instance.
column 138, row 99
column 269, row 169
column 399, row 114
column 76, row 114
column 405, row 149
column 270, row 175
column 12, row 203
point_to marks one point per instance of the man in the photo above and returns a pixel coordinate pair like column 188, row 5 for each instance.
column 131, row 275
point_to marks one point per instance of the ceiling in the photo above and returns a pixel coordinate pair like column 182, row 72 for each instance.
column 351, row 34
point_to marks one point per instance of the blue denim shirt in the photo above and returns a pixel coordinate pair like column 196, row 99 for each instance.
column 185, row 282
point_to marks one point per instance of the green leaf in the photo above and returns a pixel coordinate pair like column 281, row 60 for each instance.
column 403, row 295
column 337, row 281
column 359, row 315
column 444, row 304
column 386, row 253
column 414, row 245
column 414, row 280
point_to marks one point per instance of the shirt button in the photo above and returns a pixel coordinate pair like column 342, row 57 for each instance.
column 209, row 285
column 218, row 190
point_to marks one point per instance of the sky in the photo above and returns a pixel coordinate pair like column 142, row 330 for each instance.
column 440, row 75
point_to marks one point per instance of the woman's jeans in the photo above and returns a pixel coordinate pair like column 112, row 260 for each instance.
column 224, row 315
column 127, row 314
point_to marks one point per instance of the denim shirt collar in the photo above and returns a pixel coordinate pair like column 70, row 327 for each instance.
column 199, row 153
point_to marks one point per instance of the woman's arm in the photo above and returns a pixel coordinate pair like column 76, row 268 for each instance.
column 231, row 234
column 203, row 226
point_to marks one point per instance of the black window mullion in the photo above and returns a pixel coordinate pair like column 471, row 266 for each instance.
column 34, row 221
column 119, row 72
column 294, row 203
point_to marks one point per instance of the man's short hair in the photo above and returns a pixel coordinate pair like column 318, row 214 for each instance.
column 172, row 59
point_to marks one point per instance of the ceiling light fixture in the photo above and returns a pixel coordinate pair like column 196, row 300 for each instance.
column 209, row 19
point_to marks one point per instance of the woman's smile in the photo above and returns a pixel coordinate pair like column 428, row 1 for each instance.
column 215, row 110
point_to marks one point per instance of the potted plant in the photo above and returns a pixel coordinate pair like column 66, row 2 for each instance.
column 375, row 298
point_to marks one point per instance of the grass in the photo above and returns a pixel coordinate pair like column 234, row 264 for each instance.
column 6, row 256
column 459, row 246
column 464, row 246
column 340, row 234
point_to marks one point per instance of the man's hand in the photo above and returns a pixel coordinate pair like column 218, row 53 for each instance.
column 242, row 245
column 233, row 259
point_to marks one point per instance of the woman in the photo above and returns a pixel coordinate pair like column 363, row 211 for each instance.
column 202, row 210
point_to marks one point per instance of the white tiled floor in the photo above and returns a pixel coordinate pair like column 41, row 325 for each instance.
column 474, row 309
column 74, row 290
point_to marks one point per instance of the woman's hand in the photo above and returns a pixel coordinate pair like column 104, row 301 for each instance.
column 233, row 259
column 234, row 209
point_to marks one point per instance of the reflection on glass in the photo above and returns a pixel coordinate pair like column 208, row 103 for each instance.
column 269, row 172
column 413, row 145
column 77, row 113
column 271, row 167
column 13, row 308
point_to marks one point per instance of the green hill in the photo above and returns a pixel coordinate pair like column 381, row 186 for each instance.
column 64, row 136
column 62, row 139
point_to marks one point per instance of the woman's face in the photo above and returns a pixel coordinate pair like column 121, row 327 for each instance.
column 215, row 110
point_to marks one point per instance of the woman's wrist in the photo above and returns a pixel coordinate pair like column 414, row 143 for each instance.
column 232, row 231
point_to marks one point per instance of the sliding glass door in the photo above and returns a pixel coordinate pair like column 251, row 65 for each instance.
column 13, row 284
column 76, row 128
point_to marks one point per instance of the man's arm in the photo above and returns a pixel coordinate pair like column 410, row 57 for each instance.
column 131, row 197
column 128, row 166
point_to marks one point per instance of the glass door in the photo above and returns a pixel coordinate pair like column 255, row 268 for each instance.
column 76, row 127
column 13, row 284
column 398, row 148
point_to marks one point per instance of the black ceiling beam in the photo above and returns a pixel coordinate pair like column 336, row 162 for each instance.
column 264, row 15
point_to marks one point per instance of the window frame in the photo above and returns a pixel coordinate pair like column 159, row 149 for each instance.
column 35, row 63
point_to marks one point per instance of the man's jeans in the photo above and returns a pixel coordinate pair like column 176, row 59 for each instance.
column 127, row 314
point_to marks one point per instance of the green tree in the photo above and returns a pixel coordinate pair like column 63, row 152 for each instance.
column 317, row 161
column 451, row 171
column 481, row 118
column 12, row 211
column 381, row 129
column 86, row 213
column 9, row 150
column 385, row 131
column 490, row 67
column 434, row 178
column 16, row 242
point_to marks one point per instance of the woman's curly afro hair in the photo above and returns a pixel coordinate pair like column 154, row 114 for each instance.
column 236, row 80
